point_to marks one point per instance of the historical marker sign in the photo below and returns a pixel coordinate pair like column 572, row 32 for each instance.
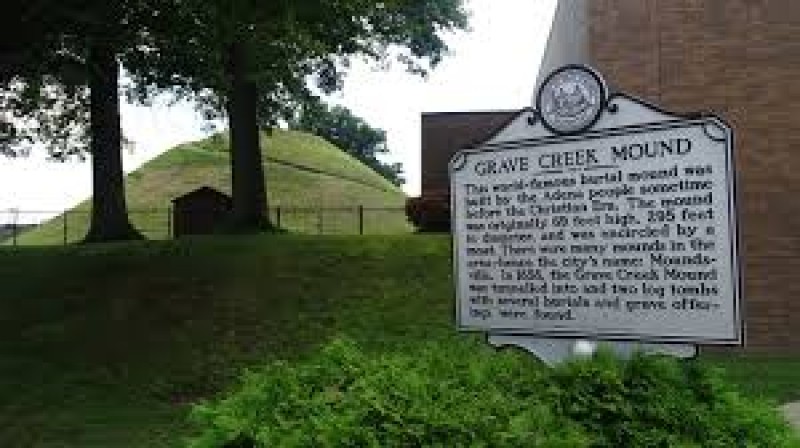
column 605, row 218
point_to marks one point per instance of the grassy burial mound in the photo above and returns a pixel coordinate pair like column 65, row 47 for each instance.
column 303, row 173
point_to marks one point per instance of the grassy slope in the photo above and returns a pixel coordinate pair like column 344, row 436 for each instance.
column 91, row 364
column 186, row 167
column 105, row 345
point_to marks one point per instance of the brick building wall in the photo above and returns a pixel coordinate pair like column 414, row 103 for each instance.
column 445, row 133
column 741, row 60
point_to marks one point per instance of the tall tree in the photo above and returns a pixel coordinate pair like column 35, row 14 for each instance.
column 72, row 60
column 257, row 56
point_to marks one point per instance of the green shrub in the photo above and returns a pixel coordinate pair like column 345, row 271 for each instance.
column 653, row 401
column 429, row 213
column 466, row 394
column 439, row 396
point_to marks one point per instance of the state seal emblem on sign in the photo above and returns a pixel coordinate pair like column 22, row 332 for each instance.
column 571, row 99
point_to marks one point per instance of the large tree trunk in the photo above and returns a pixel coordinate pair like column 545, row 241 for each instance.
column 109, row 221
column 247, row 171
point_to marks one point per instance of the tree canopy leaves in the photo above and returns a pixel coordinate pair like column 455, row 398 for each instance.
column 351, row 134
column 45, row 71
column 290, row 46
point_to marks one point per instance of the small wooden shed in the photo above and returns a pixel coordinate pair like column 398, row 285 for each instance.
column 200, row 212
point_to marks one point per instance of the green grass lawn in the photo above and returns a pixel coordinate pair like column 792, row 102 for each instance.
column 107, row 345
column 774, row 377
column 332, row 180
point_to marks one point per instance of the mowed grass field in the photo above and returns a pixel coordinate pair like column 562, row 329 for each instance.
column 303, row 173
column 108, row 345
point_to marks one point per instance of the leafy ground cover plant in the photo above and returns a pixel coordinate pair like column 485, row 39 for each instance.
column 438, row 396
column 463, row 394
column 653, row 401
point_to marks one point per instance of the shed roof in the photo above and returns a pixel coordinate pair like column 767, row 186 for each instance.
column 202, row 191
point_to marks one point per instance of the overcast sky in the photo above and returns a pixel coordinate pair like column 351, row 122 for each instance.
column 493, row 66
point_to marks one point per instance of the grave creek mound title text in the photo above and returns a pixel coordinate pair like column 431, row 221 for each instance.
column 585, row 157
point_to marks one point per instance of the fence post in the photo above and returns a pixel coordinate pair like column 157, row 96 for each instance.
column 169, row 222
column 14, row 227
column 66, row 214
column 319, row 220
column 360, row 219
column 278, row 216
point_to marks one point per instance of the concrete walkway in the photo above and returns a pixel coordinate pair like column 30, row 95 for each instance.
column 792, row 412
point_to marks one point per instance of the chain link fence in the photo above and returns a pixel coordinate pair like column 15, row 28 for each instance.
column 29, row 227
